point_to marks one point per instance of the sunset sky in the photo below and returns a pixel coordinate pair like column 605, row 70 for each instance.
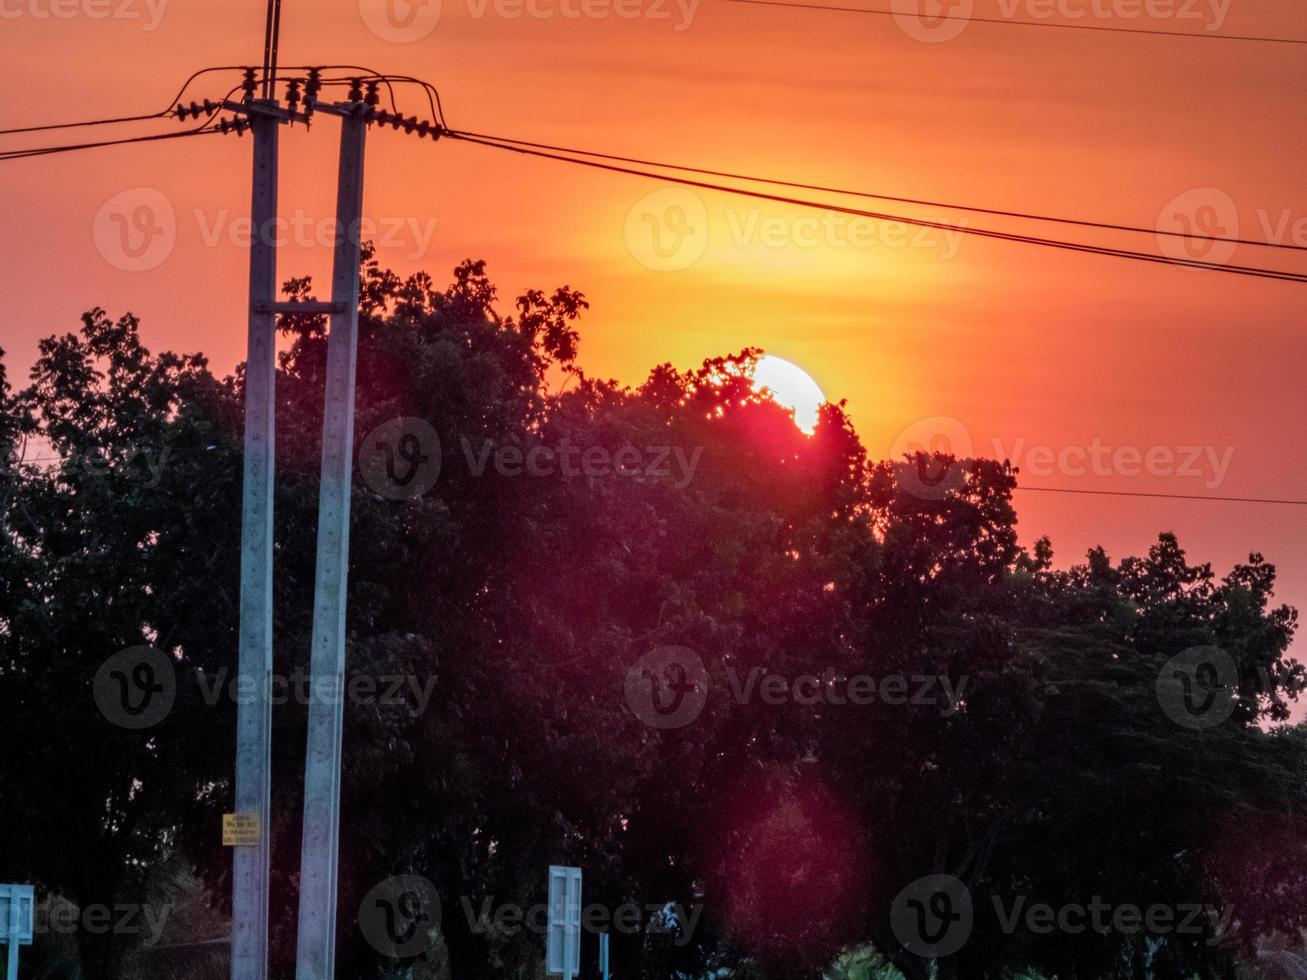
column 1024, row 346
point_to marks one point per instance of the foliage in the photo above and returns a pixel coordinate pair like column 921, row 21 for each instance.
column 526, row 600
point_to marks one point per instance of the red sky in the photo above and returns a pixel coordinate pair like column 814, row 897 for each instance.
column 1023, row 345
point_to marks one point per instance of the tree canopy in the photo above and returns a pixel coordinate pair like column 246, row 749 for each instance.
column 1013, row 725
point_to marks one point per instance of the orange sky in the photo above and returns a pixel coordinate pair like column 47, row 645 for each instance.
column 1015, row 343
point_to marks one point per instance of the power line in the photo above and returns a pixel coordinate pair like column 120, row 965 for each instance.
column 433, row 96
column 1210, row 498
column 1166, row 496
column 167, row 110
column 48, row 150
column 89, row 122
column 1030, row 23
column 998, row 212
column 272, row 31
column 1080, row 247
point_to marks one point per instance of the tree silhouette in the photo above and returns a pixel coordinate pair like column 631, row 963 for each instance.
column 1016, row 741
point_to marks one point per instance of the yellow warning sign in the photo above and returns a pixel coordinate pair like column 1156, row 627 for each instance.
column 241, row 830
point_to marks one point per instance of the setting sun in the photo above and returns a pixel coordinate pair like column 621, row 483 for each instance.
column 792, row 387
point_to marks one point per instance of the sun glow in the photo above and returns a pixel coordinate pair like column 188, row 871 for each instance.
column 791, row 387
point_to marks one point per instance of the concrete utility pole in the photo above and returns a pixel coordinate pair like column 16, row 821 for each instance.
column 249, row 955
column 316, row 954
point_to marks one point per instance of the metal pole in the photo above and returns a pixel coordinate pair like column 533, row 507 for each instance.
column 11, row 953
column 316, row 955
column 249, row 959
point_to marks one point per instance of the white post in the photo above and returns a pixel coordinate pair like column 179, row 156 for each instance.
column 249, row 902
column 316, row 953
column 11, row 971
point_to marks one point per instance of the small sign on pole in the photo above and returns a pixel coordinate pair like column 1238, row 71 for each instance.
column 241, row 830
column 563, row 938
column 17, row 916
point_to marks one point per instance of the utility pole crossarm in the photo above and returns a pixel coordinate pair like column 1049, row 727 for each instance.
column 300, row 306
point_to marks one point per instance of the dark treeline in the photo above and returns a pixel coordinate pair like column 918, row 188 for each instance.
column 1020, row 737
